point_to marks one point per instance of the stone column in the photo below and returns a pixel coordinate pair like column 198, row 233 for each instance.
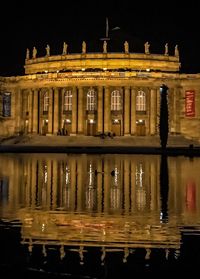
column 133, row 111
column 35, row 111
column 74, row 111
column 56, row 111
column 100, row 110
column 80, row 111
column 107, row 111
column 158, row 109
column 30, row 112
column 127, row 112
column 177, row 110
column 50, row 112
column 153, row 112
column 18, row 110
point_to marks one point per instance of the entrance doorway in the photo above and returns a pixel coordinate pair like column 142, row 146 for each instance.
column 116, row 127
column 140, row 127
column 91, row 127
column 67, row 127
column 45, row 127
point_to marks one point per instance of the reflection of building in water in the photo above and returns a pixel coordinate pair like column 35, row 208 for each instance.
column 99, row 184
column 122, row 191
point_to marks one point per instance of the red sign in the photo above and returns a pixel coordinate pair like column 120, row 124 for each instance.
column 190, row 103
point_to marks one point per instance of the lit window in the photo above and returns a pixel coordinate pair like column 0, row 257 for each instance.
column 91, row 100
column 46, row 101
column 116, row 100
column 141, row 101
column 68, row 100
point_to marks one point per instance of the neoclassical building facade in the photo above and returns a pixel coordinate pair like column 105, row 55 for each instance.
column 93, row 93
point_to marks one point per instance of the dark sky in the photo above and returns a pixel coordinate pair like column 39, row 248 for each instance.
column 25, row 24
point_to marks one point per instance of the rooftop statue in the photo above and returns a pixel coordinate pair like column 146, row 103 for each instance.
column 104, row 47
column 64, row 48
column 176, row 51
column 126, row 47
column 84, row 47
column 146, row 47
column 47, row 50
column 34, row 52
column 27, row 54
column 166, row 49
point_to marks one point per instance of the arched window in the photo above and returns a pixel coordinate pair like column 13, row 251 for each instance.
column 116, row 100
column 141, row 101
column 91, row 100
column 46, row 101
column 68, row 100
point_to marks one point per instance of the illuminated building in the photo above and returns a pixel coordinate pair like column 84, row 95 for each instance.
column 93, row 93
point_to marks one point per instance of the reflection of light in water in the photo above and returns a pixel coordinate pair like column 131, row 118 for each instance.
column 139, row 173
column 115, row 197
column 116, row 177
column 140, row 192
column 148, row 253
column 62, row 252
column 67, row 175
column 176, row 254
column 126, row 254
column 91, row 190
column 44, row 252
column 166, row 254
column 115, row 189
column 45, row 174
column 81, row 255
column 103, row 255
column 90, row 175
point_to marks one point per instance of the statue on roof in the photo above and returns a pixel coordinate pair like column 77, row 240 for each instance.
column 176, row 51
column 126, row 47
column 27, row 54
column 146, row 48
column 47, row 50
column 64, row 48
column 166, row 49
column 83, row 47
column 34, row 52
column 104, row 47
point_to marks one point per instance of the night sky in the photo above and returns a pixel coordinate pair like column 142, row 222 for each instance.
column 37, row 23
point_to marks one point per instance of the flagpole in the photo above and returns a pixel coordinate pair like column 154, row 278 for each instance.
column 107, row 28
column 107, row 32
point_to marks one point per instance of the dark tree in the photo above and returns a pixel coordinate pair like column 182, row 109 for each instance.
column 163, row 126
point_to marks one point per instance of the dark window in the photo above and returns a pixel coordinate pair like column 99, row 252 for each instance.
column 6, row 104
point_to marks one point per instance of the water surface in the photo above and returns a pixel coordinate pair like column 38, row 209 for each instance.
column 98, row 216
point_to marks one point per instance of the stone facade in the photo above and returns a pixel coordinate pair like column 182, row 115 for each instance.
column 94, row 93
